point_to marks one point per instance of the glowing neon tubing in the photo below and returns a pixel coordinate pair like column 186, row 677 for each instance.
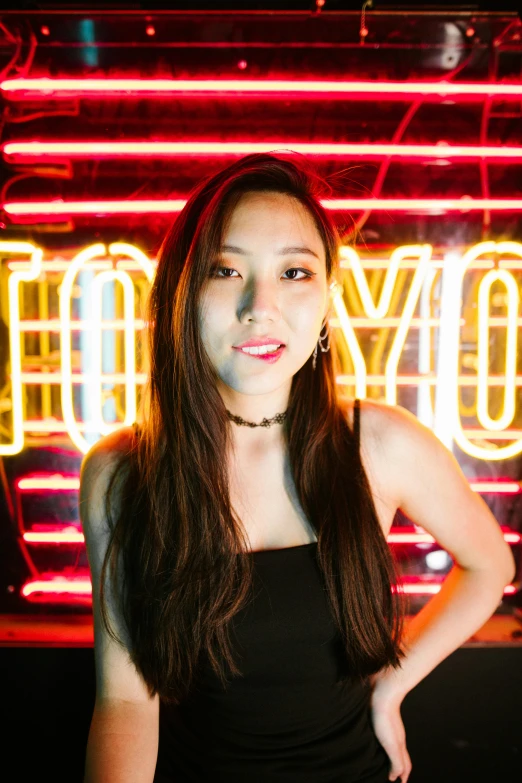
column 48, row 483
column 84, row 587
column 74, row 536
column 60, row 586
column 451, row 358
column 19, row 150
column 66, row 536
column 403, row 90
column 510, row 359
column 13, row 295
column 150, row 206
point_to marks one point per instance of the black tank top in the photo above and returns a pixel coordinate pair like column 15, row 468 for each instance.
column 287, row 719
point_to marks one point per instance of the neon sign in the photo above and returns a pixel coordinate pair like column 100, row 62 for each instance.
column 114, row 264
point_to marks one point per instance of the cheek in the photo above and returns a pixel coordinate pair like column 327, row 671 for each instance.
column 213, row 327
column 306, row 317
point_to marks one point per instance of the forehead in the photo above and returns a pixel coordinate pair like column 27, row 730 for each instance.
column 272, row 219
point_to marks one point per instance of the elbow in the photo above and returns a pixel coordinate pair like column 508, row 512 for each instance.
column 503, row 567
column 507, row 567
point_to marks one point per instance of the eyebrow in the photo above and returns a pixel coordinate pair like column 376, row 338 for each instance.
column 283, row 251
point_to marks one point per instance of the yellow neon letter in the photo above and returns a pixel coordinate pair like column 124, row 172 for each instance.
column 27, row 249
column 491, row 452
column 115, row 249
column 379, row 311
column 483, row 350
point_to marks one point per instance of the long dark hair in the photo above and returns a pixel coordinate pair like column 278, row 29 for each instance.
column 179, row 543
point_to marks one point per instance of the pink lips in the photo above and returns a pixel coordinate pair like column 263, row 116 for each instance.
column 269, row 358
column 257, row 342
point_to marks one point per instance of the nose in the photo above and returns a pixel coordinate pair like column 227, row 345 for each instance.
column 260, row 301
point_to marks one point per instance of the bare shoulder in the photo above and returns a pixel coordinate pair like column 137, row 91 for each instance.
column 390, row 434
column 375, row 420
column 100, row 462
column 372, row 413
column 109, row 447
column 399, row 454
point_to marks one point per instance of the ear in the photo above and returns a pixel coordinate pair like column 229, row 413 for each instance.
column 333, row 290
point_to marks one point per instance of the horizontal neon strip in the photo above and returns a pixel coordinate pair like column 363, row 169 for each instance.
column 407, row 536
column 67, row 536
column 245, row 86
column 497, row 487
column 93, row 207
column 83, row 587
column 73, row 536
column 48, row 482
column 55, row 324
column 158, row 149
column 428, row 379
column 431, row 588
column 57, row 586
column 476, row 433
column 54, row 426
column 76, row 377
column 150, row 206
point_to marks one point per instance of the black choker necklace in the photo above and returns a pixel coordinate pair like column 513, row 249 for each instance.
column 278, row 418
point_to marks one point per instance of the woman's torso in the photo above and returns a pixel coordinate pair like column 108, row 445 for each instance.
column 287, row 718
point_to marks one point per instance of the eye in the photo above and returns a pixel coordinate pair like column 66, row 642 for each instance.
column 306, row 272
column 215, row 269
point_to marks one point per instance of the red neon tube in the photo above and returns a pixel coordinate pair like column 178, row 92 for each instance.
column 129, row 87
column 404, row 535
column 36, row 150
column 150, row 206
column 79, row 587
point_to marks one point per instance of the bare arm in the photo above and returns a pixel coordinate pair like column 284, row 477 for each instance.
column 432, row 490
column 122, row 744
column 123, row 738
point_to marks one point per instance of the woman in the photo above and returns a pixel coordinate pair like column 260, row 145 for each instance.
column 245, row 622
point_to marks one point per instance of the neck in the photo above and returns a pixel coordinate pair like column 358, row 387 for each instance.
column 256, row 441
column 266, row 413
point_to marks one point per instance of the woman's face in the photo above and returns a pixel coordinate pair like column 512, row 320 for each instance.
column 269, row 281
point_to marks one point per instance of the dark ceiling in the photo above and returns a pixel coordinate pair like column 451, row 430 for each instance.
column 260, row 5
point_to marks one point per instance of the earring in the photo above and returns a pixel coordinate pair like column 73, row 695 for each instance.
column 320, row 343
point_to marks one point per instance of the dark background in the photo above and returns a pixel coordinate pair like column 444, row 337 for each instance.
column 275, row 5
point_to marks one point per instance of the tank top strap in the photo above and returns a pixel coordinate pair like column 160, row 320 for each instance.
column 356, row 421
